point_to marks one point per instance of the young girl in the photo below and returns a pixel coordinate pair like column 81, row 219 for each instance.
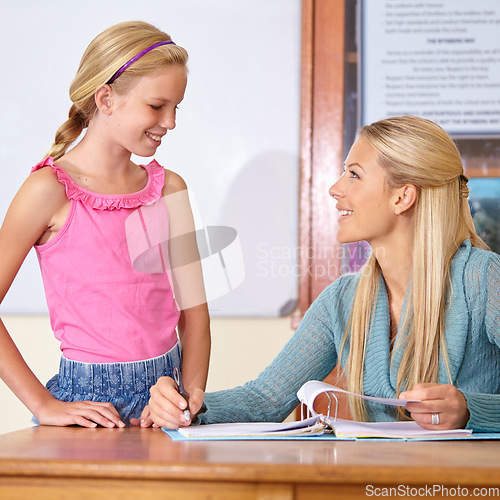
column 87, row 211
column 419, row 321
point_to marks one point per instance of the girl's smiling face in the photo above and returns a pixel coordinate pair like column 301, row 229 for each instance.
column 142, row 116
column 364, row 198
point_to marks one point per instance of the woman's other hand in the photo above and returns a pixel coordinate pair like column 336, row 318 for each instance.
column 441, row 406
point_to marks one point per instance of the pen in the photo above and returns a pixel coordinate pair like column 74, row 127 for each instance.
column 182, row 392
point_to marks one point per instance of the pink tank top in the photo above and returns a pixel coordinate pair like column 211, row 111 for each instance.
column 101, row 309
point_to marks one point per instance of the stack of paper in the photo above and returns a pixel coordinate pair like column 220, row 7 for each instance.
column 311, row 427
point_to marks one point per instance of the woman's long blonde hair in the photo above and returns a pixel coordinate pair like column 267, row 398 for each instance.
column 415, row 151
column 108, row 52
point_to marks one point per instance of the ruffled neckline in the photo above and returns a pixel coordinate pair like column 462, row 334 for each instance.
column 150, row 193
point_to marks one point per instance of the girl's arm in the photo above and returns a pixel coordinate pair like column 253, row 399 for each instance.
column 194, row 332
column 187, row 278
column 31, row 217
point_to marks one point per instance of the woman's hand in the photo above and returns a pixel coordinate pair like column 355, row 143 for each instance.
column 167, row 406
column 445, row 402
column 83, row 413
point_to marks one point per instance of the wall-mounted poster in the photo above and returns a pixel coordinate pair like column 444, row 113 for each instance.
column 438, row 59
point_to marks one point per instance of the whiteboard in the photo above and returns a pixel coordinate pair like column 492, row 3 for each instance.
column 236, row 143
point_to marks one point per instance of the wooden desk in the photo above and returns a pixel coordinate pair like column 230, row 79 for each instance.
column 53, row 463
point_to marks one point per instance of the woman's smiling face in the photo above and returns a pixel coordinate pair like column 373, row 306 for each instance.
column 363, row 197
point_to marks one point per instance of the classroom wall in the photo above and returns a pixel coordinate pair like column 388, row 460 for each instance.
column 241, row 349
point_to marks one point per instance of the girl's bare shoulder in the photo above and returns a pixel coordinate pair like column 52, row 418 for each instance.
column 43, row 184
column 33, row 209
column 173, row 183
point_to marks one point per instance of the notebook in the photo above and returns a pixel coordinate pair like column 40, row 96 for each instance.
column 320, row 426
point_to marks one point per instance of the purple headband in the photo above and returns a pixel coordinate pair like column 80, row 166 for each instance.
column 138, row 56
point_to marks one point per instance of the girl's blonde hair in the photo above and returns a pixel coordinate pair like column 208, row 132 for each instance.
column 108, row 52
column 415, row 151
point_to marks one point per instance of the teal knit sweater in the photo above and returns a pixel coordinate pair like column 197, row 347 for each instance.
column 472, row 331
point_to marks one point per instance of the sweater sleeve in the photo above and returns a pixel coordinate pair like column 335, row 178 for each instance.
column 484, row 409
column 310, row 354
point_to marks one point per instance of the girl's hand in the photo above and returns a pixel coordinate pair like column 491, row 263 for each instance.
column 445, row 401
column 83, row 413
column 167, row 406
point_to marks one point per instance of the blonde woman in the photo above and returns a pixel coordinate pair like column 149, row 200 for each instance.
column 419, row 321
column 83, row 208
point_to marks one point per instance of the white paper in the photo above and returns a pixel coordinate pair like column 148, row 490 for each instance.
column 312, row 389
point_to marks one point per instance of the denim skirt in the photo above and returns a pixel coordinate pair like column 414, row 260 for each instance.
column 125, row 385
